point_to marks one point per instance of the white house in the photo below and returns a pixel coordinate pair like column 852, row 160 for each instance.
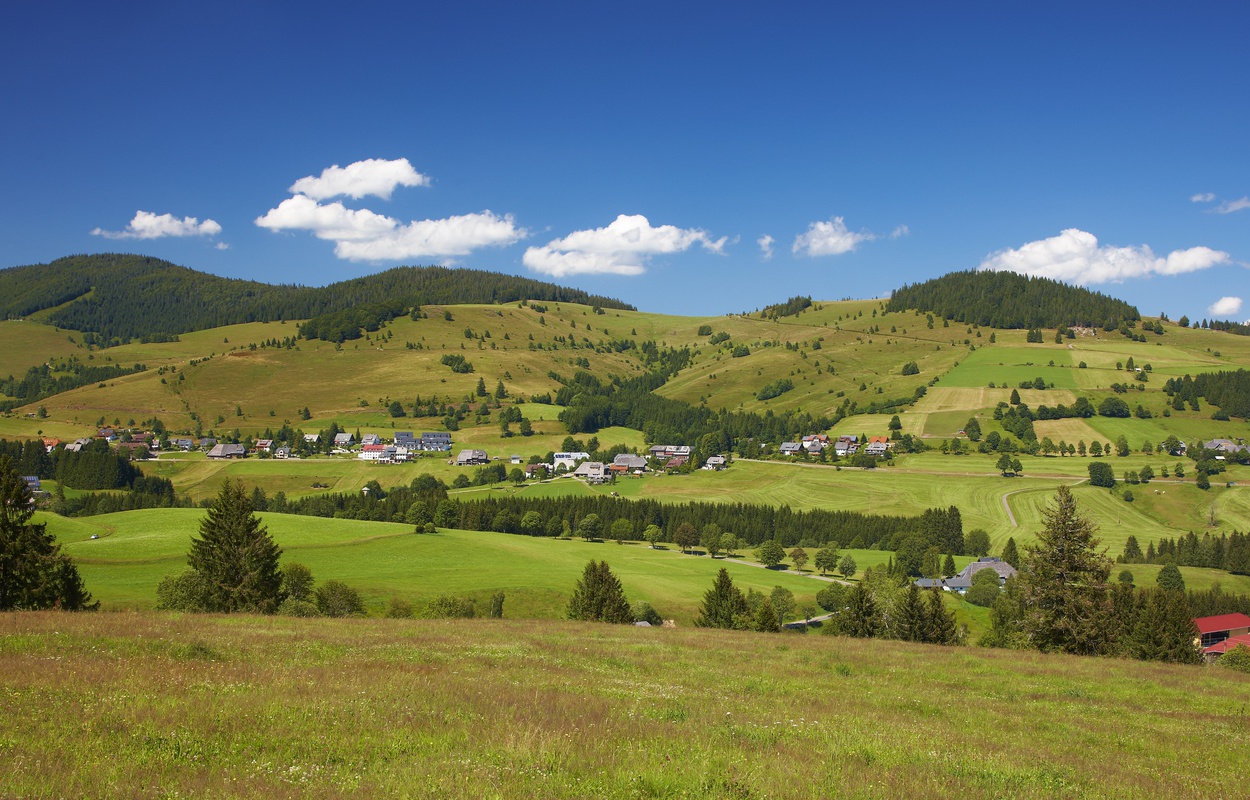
column 569, row 460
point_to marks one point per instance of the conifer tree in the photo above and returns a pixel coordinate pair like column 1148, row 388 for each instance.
column 34, row 573
column 1010, row 554
column 911, row 620
column 860, row 618
column 599, row 596
column 940, row 628
column 722, row 604
column 1165, row 630
column 948, row 565
column 766, row 620
column 1064, row 581
column 1170, row 578
column 236, row 557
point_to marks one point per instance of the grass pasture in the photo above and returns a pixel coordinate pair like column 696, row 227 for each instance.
column 147, row 704
column 137, row 549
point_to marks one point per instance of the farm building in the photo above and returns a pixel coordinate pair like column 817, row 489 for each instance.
column 963, row 581
column 228, row 451
column 1214, row 631
column 468, row 457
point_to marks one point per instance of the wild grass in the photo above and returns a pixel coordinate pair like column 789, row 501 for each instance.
column 130, row 705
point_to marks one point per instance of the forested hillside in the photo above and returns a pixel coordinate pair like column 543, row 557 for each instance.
column 119, row 296
column 1008, row 300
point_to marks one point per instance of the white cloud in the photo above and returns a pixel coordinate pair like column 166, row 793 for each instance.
column 373, row 176
column 1203, row 197
column 147, row 225
column 1225, row 307
column 766, row 246
column 454, row 236
column 364, row 235
column 1229, row 206
column 222, row 246
column 1076, row 257
column 829, row 239
column 622, row 248
column 900, row 231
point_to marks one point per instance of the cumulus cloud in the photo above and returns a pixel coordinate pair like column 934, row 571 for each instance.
column 373, row 176
column 1076, row 257
column 365, row 235
column 622, row 248
column 1202, row 197
column 1229, row 206
column 900, row 231
column 148, row 225
column 766, row 246
column 1225, row 307
column 830, row 238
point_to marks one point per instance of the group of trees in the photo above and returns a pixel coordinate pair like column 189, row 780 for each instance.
column 1010, row 300
column 725, row 606
column 1062, row 601
column 1229, row 390
column 119, row 297
column 1229, row 552
column 46, row 380
column 95, row 466
column 886, row 605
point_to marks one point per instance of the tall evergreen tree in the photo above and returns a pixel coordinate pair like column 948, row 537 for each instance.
column 236, row 556
column 1010, row 554
column 599, row 596
column 860, row 618
column 1165, row 630
column 940, row 621
column 1064, row 581
column 723, row 604
column 34, row 573
column 910, row 619
column 766, row 619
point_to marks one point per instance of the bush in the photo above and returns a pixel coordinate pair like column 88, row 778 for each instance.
column 187, row 591
column 398, row 608
column 1238, row 658
column 911, row 368
column 1101, row 474
column 446, row 606
column 643, row 612
column 298, row 608
column 337, row 599
column 985, row 588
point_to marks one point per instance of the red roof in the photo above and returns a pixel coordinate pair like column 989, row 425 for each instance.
column 373, row 448
column 1229, row 644
column 1223, row 622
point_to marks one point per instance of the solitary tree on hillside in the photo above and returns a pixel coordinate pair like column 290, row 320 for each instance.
column 1063, row 581
column 34, row 573
column 847, row 566
column 599, row 596
column 622, row 529
column 653, row 534
column 236, row 557
column 685, row 536
column 589, row 527
column 723, row 604
column 798, row 557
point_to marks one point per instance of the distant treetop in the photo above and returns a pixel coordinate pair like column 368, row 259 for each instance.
column 1009, row 300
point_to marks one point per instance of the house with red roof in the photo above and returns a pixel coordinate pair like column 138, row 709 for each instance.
column 1216, row 633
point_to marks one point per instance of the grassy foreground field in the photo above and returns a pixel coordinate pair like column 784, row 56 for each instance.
column 154, row 705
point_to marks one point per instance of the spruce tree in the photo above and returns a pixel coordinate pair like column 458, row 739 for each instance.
column 1170, row 578
column 236, row 556
column 948, row 565
column 910, row 619
column 1010, row 554
column 860, row 618
column 766, row 620
column 940, row 621
column 1165, row 630
column 599, row 596
column 722, row 604
column 1064, row 581
column 34, row 573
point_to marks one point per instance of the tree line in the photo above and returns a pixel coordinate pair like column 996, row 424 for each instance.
column 1009, row 300
column 1229, row 552
column 1229, row 390
column 122, row 296
column 46, row 380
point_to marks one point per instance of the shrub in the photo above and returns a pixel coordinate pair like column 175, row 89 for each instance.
column 1238, row 658
column 337, row 599
column 446, row 606
column 298, row 608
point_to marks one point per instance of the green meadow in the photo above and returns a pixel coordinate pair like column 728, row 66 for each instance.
column 136, row 549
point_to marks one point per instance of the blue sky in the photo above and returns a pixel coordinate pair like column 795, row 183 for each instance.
column 640, row 151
